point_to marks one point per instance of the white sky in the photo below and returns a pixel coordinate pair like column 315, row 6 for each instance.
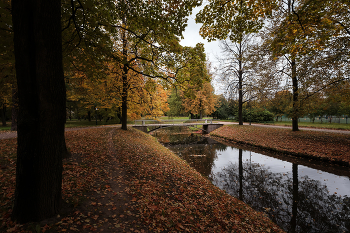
column 192, row 37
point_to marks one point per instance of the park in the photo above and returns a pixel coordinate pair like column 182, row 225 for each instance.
column 110, row 123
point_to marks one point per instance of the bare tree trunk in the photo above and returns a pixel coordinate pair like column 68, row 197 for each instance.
column 42, row 104
column 295, row 98
column 240, row 88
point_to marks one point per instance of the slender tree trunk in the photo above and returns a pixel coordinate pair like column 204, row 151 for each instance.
column 125, row 81
column 41, row 118
column 295, row 97
column 295, row 198
column 295, row 115
column 240, row 86
column 240, row 95
column 240, row 158
column 14, row 114
column 89, row 115
column 3, row 115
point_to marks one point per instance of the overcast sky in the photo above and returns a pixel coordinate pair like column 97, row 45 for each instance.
column 192, row 37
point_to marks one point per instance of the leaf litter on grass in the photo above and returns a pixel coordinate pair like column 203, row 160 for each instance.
column 125, row 181
column 327, row 146
column 172, row 197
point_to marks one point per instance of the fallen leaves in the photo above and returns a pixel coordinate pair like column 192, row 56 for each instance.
column 173, row 197
column 326, row 146
column 131, row 184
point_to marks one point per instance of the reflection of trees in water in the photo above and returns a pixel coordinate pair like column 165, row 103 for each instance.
column 296, row 205
column 177, row 135
column 200, row 157
column 317, row 210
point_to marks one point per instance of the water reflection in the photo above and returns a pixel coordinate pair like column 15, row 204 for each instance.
column 292, row 199
column 296, row 204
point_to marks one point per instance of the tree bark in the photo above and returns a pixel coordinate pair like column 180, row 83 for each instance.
column 125, row 81
column 240, row 87
column 89, row 115
column 14, row 114
column 240, row 96
column 3, row 115
column 41, row 118
column 295, row 97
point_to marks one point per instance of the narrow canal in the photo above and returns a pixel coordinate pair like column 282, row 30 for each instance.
column 298, row 195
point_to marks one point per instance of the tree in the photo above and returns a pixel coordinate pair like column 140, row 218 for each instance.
column 280, row 104
column 156, row 104
column 235, row 21
column 202, row 101
column 7, row 73
column 235, row 72
column 148, row 36
column 41, row 91
column 175, row 104
column 222, row 110
column 303, row 31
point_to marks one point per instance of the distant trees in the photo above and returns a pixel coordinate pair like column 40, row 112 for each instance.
column 7, row 61
column 302, row 48
column 232, row 21
column 281, row 104
column 197, row 101
column 223, row 110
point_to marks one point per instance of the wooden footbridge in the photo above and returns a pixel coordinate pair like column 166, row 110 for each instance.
column 148, row 126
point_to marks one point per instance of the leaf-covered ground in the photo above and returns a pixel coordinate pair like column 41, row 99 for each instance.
column 327, row 146
column 125, row 181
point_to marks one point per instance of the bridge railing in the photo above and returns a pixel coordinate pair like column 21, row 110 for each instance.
column 174, row 121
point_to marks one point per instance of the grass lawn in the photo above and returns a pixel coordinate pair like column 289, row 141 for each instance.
column 6, row 128
column 332, row 147
column 125, row 181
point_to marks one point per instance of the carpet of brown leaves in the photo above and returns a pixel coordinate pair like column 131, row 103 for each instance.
column 326, row 146
column 125, row 181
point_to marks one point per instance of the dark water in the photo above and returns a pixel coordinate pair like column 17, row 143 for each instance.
column 299, row 196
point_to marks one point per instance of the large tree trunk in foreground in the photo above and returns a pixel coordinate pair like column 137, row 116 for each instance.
column 41, row 118
column 14, row 114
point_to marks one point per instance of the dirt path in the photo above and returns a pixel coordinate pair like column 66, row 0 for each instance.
column 13, row 134
column 290, row 127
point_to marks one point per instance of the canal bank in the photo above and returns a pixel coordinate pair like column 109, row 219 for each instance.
column 126, row 181
column 317, row 145
column 298, row 194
